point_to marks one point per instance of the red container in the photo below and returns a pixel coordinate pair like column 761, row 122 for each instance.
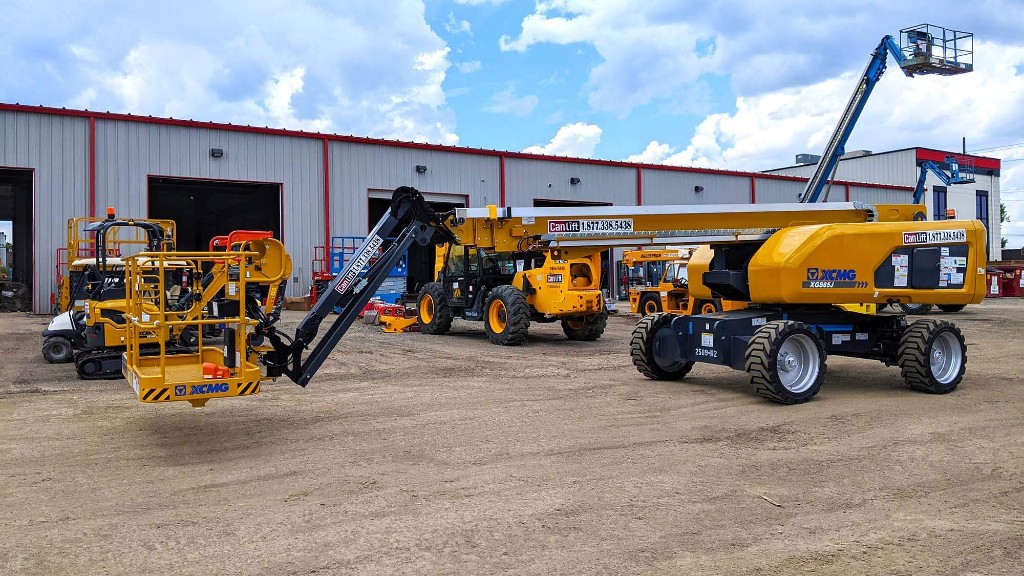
column 994, row 290
column 1011, row 281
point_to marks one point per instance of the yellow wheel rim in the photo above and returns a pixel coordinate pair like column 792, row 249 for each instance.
column 427, row 309
column 574, row 323
column 497, row 316
column 650, row 307
column 708, row 308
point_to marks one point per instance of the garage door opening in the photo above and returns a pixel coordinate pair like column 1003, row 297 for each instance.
column 17, row 254
column 607, row 256
column 203, row 209
column 421, row 258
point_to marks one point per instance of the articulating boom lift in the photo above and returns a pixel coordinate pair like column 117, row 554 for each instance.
column 797, row 265
column 927, row 49
column 960, row 172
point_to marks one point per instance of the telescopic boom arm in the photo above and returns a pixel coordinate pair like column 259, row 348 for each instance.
column 351, row 289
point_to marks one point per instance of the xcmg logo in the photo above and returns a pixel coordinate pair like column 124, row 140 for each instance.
column 202, row 389
column 831, row 274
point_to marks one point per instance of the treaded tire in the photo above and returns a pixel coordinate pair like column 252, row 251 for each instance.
column 58, row 350
column 645, row 302
column 762, row 362
column 917, row 345
column 952, row 307
column 516, row 314
column 441, row 315
column 592, row 328
column 916, row 309
column 642, row 348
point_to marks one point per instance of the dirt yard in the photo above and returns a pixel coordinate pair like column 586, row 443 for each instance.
column 447, row 455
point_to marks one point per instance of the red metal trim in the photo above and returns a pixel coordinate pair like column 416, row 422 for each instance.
column 327, row 192
column 501, row 180
column 847, row 192
column 639, row 186
column 753, row 189
column 92, row 166
column 939, row 156
column 395, row 143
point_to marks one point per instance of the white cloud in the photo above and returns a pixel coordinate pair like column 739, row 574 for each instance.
column 655, row 153
column 577, row 140
column 456, row 26
column 469, row 67
column 505, row 102
column 215, row 62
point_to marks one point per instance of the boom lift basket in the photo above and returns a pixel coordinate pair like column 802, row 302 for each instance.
column 207, row 369
column 931, row 49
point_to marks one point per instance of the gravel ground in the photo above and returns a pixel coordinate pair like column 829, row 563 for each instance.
column 447, row 455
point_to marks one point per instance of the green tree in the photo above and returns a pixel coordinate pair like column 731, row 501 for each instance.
column 1004, row 216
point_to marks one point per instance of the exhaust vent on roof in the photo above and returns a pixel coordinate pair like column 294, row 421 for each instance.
column 807, row 158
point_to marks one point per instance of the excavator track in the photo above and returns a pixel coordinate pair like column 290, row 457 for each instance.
column 102, row 364
column 105, row 364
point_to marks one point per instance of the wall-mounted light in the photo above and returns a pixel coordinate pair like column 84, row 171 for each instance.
column 574, row 180
column 698, row 189
column 216, row 152
column 420, row 169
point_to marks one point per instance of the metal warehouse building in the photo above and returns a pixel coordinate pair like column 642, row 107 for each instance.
column 211, row 178
column 976, row 200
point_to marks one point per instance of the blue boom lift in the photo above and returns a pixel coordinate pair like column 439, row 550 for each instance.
column 961, row 171
column 923, row 49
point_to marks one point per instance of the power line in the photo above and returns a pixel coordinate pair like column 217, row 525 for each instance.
column 1003, row 147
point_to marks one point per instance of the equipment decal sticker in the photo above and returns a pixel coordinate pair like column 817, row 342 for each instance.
column 833, row 278
column 356, row 265
column 590, row 226
column 935, row 237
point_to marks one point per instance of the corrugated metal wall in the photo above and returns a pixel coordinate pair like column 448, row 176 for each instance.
column 526, row 180
column 896, row 167
column 56, row 147
column 772, row 190
column 677, row 187
column 128, row 153
column 357, row 168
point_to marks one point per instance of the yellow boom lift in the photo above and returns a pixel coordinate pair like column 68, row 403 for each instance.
column 793, row 262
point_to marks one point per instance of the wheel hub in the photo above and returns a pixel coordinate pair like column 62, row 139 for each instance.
column 937, row 357
column 789, row 362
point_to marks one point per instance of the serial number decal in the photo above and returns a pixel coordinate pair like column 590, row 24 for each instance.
column 590, row 226
column 357, row 265
column 935, row 237
column 705, row 352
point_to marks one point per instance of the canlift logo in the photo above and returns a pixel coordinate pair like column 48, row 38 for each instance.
column 202, row 389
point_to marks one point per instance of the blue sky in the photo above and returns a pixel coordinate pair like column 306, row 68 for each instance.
column 727, row 84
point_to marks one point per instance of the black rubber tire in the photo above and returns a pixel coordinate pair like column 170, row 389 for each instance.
column 58, row 350
column 762, row 362
column 916, row 309
column 916, row 346
column 641, row 349
column 517, row 316
column 952, row 307
column 645, row 300
column 592, row 329
column 441, row 321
